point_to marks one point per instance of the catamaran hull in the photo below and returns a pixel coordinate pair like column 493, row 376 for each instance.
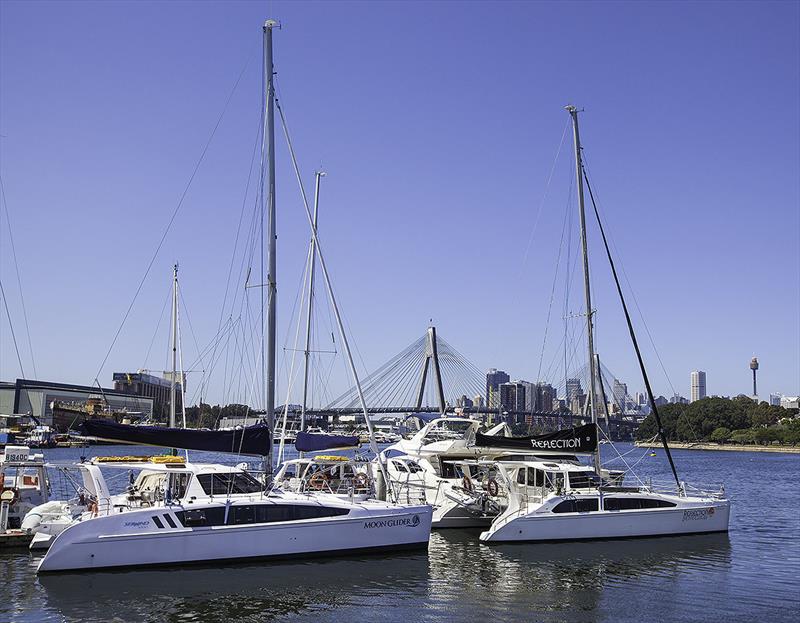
column 113, row 541
column 610, row 524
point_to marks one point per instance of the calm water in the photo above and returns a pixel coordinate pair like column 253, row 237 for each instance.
column 752, row 573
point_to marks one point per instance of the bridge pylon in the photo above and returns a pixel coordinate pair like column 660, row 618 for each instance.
column 431, row 359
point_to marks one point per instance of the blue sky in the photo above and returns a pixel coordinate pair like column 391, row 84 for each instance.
column 438, row 124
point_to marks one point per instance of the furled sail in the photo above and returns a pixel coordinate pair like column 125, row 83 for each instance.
column 578, row 439
column 254, row 440
column 310, row 442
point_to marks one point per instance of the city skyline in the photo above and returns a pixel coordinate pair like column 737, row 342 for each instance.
column 683, row 185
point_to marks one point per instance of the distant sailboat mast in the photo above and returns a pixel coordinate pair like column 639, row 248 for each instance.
column 312, row 259
column 172, row 388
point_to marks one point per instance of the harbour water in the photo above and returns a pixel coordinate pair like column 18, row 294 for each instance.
column 752, row 573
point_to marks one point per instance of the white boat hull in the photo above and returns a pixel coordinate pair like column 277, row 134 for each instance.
column 610, row 524
column 131, row 539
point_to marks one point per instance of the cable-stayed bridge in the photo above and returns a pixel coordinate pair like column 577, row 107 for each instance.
column 431, row 376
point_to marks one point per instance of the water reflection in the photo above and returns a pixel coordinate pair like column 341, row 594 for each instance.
column 558, row 581
column 457, row 579
column 260, row 592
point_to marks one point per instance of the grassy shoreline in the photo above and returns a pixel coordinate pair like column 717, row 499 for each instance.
column 725, row 446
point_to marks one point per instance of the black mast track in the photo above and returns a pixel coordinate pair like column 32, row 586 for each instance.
column 633, row 335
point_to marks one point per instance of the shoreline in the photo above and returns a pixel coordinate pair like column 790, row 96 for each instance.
column 679, row 445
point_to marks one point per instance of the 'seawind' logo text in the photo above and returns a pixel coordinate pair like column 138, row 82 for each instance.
column 408, row 522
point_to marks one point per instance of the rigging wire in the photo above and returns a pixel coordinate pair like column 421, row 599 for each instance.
column 19, row 279
column 544, row 195
column 172, row 219
column 11, row 326
column 653, row 405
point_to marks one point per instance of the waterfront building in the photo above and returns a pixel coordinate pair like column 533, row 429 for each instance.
column 775, row 400
column 698, row 381
column 463, row 401
column 142, row 383
column 661, row 401
column 477, row 402
column 495, row 378
column 38, row 398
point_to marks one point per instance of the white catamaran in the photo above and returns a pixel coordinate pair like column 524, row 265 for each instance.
column 177, row 512
column 558, row 498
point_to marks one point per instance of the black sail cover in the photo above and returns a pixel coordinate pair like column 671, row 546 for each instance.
column 578, row 439
column 253, row 440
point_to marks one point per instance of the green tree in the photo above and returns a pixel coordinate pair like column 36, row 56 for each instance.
column 721, row 434
column 743, row 436
column 669, row 419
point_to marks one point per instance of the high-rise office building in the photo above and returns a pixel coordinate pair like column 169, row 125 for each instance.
column 543, row 398
column 620, row 392
column 494, row 378
column 512, row 396
column 575, row 398
column 463, row 401
column 698, row 378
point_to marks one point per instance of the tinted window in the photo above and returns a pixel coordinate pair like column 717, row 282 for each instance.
column 583, row 480
column 626, row 504
column 577, row 506
column 255, row 513
column 413, row 467
column 230, row 483
column 200, row 517
column 399, row 466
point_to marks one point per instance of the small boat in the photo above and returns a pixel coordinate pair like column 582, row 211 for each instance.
column 24, row 486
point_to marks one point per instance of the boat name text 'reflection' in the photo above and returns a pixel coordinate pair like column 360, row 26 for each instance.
column 556, row 444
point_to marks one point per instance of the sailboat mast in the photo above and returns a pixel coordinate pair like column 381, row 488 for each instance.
column 172, row 391
column 268, row 148
column 313, row 259
column 586, row 282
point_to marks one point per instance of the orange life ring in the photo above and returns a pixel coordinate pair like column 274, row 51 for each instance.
column 466, row 482
column 493, row 488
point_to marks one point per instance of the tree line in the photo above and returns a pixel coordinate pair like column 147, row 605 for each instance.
column 738, row 420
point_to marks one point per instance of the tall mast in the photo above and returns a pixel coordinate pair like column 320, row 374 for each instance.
column 586, row 282
column 268, row 151
column 174, row 345
column 313, row 259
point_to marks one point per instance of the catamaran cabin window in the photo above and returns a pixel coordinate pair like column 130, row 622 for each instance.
column 584, row 480
column 178, row 483
column 413, row 467
column 400, row 467
column 230, row 483
column 255, row 513
column 627, row 504
column 577, row 506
